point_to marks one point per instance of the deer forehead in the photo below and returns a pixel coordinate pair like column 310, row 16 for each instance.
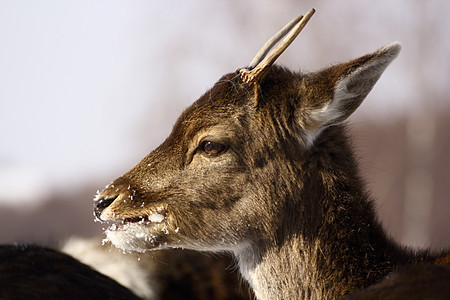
column 231, row 102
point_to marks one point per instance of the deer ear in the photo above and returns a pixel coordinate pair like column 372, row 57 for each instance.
column 333, row 94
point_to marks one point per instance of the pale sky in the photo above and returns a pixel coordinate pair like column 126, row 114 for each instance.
column 88, row 88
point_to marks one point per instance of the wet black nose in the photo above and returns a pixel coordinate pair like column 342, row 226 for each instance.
column 102, row 203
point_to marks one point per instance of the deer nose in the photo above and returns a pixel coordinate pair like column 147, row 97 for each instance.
column 101, row 203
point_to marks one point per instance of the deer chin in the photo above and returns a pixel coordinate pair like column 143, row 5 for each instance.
column 137, row 237
column 140, row 233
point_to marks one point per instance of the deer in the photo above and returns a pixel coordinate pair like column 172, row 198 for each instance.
column 87, row 269
column 168, row 274
column 262, row 166
column 36, row 272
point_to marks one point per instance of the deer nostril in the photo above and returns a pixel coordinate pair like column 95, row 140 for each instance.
column 101, row 204
column 104, row 202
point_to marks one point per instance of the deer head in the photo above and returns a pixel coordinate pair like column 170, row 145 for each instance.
column 237, row 166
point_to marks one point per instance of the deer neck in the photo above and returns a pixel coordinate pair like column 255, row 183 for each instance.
column 283, row 272
column 304, row 268
column 327, row 266
column 329, row 242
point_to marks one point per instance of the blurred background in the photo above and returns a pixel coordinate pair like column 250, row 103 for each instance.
column 88, row 88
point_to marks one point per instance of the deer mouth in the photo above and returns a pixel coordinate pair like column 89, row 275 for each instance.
column 153, row 217
column 140, row 233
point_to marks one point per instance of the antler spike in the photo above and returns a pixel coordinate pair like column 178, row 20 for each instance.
column 291, row 31
column 272, row 42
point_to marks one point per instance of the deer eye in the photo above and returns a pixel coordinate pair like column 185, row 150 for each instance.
column 212, row 148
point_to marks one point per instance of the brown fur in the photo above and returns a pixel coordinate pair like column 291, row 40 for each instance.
column 285, row 196
column 184, row 274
